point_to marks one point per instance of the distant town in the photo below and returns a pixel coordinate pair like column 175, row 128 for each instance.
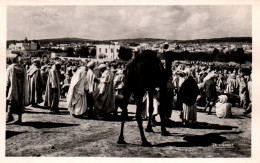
column 109, row 50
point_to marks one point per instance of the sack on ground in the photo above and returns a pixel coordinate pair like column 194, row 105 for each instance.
column 223, row 110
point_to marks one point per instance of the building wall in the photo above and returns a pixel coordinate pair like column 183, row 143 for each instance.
column 33, row 46
column 110, row 51
column 23, row 46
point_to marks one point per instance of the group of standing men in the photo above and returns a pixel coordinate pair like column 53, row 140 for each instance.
column 25, row 87
column 90, row 93
column 91, row 88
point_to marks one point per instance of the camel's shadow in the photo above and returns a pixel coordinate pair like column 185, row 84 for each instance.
column 205, row 140
column 198, row 140
column 115, row 118
column 198, row 125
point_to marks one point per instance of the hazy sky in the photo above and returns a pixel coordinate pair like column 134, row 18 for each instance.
column 122, row 22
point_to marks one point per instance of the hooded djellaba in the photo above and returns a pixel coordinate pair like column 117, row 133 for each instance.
column 52, row 94
column 35, row 83
column 16, row 89
column 104, row 95
column 76, row 98
column 186, row 98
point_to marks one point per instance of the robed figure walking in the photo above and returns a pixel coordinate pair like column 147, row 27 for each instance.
column 52, row 94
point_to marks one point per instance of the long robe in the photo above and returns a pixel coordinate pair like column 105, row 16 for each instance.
column 210, row 90
column 186, row 99
column 231, row 86
column 17, row 88
column 76, row 97
column 249, row 87
column 119, row 83
column 104, row 100
column 220, row 86
column 189, row 113
column 91, row 87
column 243, row 93
column 145, row 110
column 52, row 94
column 44, row 75
column 35, row 85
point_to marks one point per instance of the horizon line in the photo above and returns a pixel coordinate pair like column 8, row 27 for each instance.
column 133, row 38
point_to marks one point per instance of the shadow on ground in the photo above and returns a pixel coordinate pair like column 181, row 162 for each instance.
column 199, row 125
column 10, row 134
column 199, row 140
column 237, row 117
column 46, row 112
column 111, row 118
column 108, row 117
column 40, row 125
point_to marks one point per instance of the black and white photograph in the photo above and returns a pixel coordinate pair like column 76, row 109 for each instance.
column 128, row 81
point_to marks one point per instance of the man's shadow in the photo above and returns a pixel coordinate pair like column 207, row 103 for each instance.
column 45, row 110
column 10, row 134
column 40, row 125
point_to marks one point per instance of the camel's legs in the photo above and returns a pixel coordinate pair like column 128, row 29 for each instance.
column 139, row 99
column 127, row 94
column 162, row 110
column 151, row 108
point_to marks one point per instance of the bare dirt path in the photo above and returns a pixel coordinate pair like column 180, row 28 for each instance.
column 43, row 134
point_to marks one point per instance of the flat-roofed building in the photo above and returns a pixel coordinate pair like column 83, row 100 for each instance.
column 23, row 46
column 107, row 51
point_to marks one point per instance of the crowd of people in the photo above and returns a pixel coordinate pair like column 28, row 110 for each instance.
column 89, row 87
column 94, row 88
column 203, row 84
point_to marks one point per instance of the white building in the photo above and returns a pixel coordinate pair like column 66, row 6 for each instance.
column 23, row 46
column 108, row 51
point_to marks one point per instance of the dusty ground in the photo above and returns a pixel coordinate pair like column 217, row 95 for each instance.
column 43, row 134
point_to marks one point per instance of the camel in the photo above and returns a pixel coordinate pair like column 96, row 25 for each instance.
column 145, row 73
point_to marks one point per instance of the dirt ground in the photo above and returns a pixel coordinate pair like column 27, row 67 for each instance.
column 43, row 134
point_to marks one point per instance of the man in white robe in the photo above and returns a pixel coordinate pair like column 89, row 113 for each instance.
column 76, row 97
column 104, row 100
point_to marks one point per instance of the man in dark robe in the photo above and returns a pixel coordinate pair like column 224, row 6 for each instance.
column 211, row 92
column 16, row 90
column 44, row 75
column 186, row 99
column 35, row 83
